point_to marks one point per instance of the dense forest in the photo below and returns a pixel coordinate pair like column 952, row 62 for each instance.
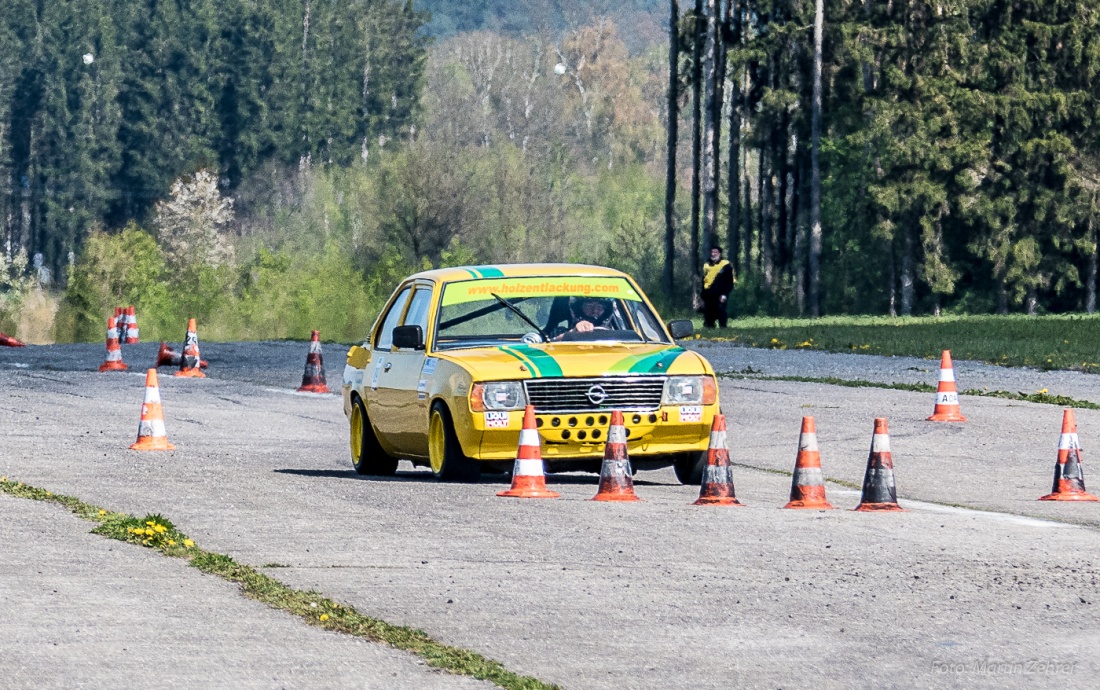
column 274, row 167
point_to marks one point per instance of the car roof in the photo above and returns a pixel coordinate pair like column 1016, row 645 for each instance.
column 446, row 275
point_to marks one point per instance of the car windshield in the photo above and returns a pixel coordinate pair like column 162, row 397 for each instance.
column 474, row 313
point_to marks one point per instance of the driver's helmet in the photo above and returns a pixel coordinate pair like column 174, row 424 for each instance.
column 595, row 310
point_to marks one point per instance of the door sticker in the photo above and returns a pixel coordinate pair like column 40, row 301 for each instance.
column 429, row 366
column 691, row 413
column 422, row 390
column 496, row 420
column 377, row 372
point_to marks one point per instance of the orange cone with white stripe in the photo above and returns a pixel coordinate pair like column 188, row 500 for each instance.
column 879, row 491
column 528, row 476
column 808, row 483
column 114, row 350
column 151, row 434
column 189, row 360
column 716, row 488
column 313, row 379
column 131, row 326
column 947, row 396
column 1069, row 476
column 616, row 475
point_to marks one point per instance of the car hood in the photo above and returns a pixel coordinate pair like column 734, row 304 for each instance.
column 520, row 361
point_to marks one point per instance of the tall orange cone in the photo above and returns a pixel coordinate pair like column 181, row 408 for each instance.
column 114, row 351
column 616, row 475
column 189, row 361
column 131, row 326
column 947, row 397
column 879, row 492
column 808, row 483
column 151, row 434
column 528, row 477
column 717, row 489
column 313, row 379
column 1069, row 476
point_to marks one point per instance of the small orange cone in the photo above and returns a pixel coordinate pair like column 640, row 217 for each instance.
column 1069, row 476
column 8, row 341
column 168, row 357
column 131, row 326
column 807, row 483
column 114, row 351
column 616, row 475
column 947, row 397
column 151, row 434
column 189, row 361
column 313, row 380
column 528, row 477
column 717, row 489
column 879, row 492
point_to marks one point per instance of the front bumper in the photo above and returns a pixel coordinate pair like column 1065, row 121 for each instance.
column 670, row 429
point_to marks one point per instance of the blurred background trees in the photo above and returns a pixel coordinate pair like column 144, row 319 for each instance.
column 361, row 140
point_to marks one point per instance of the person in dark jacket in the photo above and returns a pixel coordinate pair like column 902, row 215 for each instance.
column 717, row 285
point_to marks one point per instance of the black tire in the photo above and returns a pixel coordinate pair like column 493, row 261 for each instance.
column 447, row 460
column 689, row 467
column 368, row 458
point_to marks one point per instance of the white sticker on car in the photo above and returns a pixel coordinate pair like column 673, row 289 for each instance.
column 496, row 420
column 377, row 373
column 691, row 413
column 429, row 366
column 422, row 389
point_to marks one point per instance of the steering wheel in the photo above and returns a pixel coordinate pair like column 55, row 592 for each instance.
column 531, row 338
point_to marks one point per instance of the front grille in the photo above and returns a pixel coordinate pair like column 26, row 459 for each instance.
column 626, row 393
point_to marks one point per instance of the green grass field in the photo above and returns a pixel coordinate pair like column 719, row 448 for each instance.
column 1047, row 342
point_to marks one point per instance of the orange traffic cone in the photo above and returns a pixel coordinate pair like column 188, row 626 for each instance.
column 151, row 434
column 8, row 341
column 1069, row 476
column 313, row 380
column 947, row 397
column 717, row 489
column 114, row 351
column 807, row 483
column 168, row 357
column 616, row 475
column 189, row 361
column 879, row 492
column 131, row 326
column 528, row 478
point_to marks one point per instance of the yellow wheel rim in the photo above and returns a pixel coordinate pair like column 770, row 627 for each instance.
column 356, row 434
column 437, row 442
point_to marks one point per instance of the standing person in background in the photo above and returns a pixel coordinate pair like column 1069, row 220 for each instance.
column 717, row 285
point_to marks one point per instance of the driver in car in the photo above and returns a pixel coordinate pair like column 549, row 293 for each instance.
column 587, row 314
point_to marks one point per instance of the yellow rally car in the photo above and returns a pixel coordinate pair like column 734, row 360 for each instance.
column 457, row 353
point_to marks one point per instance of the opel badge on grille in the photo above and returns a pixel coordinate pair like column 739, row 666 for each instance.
column 596, row 394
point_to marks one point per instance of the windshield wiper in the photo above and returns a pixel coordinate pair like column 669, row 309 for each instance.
column 544, row 334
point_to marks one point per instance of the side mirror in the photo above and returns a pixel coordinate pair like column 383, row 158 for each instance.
column 679, row 329
column 408, row 338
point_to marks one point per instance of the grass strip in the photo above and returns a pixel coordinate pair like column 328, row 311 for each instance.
column 158, row 533
column 1036, row 397
column 1046, row 342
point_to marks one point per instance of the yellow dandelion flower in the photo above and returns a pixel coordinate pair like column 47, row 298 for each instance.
column 171, row 542
column 102, row 513
column 161, row 529
column 188, row 543
column 4, row 479
column 150, row 523
column 324, row 616
column 1042, row 391
column 775, row 340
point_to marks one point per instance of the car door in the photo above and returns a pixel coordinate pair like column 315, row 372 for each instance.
column 401, row 402
column 381, row 386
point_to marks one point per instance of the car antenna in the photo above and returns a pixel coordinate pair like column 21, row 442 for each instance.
column 544, row 334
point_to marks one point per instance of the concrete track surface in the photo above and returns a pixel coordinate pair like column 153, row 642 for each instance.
column 977, row 585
